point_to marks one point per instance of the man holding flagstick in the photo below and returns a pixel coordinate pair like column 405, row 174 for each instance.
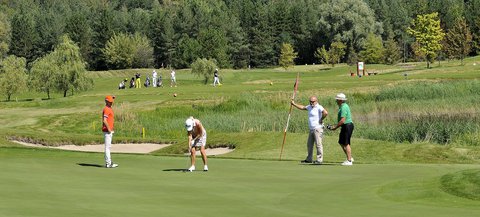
column 316, row 114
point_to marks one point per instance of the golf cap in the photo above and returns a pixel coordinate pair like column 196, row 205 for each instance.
column 109, row 98
column 189, row 124
column 341, row 96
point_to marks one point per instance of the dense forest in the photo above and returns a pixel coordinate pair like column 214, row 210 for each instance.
column 114, row 34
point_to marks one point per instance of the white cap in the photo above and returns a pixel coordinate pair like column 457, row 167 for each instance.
column 341, row 96
column 189, row 124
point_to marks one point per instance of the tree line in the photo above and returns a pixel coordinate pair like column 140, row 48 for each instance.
column 117, row 34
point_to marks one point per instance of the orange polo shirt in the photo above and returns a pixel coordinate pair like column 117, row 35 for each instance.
column 108, row 113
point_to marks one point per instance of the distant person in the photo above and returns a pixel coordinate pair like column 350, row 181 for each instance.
column 173, row 79
column 216, row 80
column 197, row 137
column 345, row 122
column 154, row 78
column 132, row 82
column 121, row 86
column 316, row 115
column 138, row 82
column 107, row 129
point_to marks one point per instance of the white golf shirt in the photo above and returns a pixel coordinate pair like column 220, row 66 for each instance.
column 314, row 116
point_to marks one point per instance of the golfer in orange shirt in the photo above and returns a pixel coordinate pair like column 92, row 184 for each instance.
column 107, row 128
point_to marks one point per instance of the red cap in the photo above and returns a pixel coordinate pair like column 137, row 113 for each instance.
column 109, row 98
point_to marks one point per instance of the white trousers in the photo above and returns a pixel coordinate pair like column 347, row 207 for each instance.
column 216, row 81
column 154, row 81
column 108, row 145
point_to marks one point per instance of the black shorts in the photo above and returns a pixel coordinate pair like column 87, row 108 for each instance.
column 345, row 134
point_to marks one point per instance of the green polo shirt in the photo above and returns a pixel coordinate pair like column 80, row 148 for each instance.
column 344, row 111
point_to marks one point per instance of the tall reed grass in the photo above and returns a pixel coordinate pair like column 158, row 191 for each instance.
column 438, row 112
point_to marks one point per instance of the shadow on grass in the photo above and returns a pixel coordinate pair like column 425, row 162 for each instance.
column 89, row 165
column 175, row 170
column 323, row 164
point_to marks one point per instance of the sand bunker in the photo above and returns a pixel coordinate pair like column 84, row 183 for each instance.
column 136, row 148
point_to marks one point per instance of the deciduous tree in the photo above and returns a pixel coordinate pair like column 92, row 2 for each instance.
column 72, row 71
column 373, row 51
column 322, row 55
column 44, row 74
column 336, row 52
column 204, row 67
column 428, row 34
column 13, row 76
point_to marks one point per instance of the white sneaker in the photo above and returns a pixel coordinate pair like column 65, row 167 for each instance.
column 347, row 163
column 205, row 168
column 112, row 165
column 191, row 169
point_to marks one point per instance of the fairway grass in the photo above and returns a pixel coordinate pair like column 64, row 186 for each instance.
column 37, row 182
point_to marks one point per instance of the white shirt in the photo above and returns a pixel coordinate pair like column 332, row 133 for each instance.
column 154, row 74
column 314, row 116
column 173, row 74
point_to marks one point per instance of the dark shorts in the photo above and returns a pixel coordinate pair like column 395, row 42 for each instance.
column 345, row 134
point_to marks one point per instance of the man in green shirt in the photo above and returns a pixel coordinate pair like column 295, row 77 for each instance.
column 345, row 122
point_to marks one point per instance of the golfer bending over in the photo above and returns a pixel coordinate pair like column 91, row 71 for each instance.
column 345, row 122
column 197, row 137
column 316, row 114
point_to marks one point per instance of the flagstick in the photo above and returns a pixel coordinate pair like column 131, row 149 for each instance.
column 289, row 114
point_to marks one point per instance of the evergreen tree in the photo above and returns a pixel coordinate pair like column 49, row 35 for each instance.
column 4, row 35
column 188, row 50
column 50, row 27
column 24, row 34
column 78, row 29
column 476, row 37
column 392, row 52
column 472, row 16
column 458, row 40
column 287, row 56
column 428, row 34
column 163, row 37
column 139, row 21
column 214, row 45
column 262, row 44
column 449, row 11
column 103, row 30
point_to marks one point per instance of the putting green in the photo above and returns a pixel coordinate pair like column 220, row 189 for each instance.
column 38, row 182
